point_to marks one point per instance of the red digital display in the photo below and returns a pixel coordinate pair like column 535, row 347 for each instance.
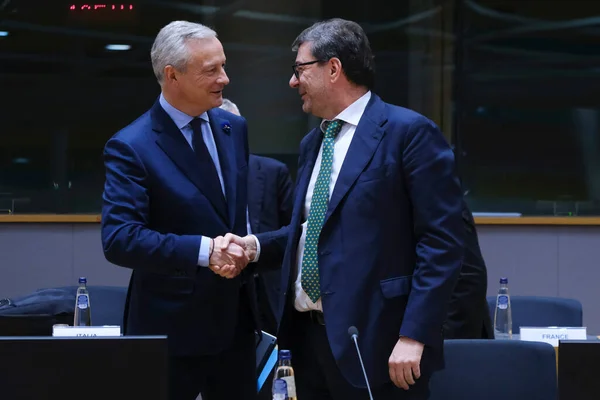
column 101, row 7
column 86, row 14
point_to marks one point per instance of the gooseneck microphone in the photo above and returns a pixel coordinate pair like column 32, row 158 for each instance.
column 353, row 332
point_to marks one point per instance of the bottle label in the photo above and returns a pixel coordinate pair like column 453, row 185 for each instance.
column 279, row 389
column 291, row 386
column 503, row 302
column 82, row 301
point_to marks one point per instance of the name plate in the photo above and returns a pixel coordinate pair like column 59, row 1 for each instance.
column 552, row 334
column 86, row 331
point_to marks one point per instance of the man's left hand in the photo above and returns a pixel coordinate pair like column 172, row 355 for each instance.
column 405, row 361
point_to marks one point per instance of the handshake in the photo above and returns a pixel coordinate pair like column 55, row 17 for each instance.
column 230, row 254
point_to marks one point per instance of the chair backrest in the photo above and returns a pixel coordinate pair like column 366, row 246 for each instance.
column 479, row 369
column 108, row 304
column 541, row 311
column 35, row 313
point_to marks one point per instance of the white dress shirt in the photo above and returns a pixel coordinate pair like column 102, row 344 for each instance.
column 351, row 116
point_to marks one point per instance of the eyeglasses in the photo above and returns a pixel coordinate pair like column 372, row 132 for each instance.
column 295, row 67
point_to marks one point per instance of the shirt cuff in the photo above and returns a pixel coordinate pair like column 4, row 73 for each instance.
column 257, row 248
column 204, row 253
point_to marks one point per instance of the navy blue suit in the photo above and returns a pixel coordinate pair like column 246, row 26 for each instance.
column 156, row 206
column 390, row 250
column 469, row 316
column 270, row 201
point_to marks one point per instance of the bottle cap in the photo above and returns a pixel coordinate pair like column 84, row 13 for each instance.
column 82, row 280
column 279, row 386
column 503, row 281
column 285, row 355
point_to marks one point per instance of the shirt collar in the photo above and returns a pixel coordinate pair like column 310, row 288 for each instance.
column 180, row 118
column 353, row 113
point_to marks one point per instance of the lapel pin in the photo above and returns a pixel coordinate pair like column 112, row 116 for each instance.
column 226, row 127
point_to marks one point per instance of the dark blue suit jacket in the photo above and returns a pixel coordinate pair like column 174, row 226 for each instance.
column 469, row 315
column 156, row 206
column 391, row 246
column 270, row 201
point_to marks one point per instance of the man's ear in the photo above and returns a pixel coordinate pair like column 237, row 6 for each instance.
column 170, row 73
column 335, row 69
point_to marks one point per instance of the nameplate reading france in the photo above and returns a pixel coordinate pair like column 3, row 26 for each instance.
column 553, row 334
column 86, row 331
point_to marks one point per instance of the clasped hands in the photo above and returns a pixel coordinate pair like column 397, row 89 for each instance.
column 230, row 254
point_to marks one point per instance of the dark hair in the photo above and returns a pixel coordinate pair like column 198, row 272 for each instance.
column 345, row 40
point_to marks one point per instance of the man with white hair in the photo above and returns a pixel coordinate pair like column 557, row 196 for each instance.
column 176, row 180
column 230, row 106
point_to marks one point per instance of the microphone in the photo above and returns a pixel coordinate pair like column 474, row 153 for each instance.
column 353, row 332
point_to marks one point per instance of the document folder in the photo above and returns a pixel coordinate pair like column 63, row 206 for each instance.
column 266, row 357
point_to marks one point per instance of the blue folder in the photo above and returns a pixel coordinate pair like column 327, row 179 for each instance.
column 266, row 357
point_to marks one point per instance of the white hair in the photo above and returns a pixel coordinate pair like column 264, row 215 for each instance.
column 230, row 106
column 170, row 45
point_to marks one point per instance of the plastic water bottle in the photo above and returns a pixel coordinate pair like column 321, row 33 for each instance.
column 83, row 308
column 285, row 372
column 503, row 314
column 279, row 390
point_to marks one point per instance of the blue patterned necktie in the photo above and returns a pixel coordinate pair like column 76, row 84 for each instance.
column 316, row 215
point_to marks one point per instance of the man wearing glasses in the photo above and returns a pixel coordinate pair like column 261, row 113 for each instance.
column 376, row 235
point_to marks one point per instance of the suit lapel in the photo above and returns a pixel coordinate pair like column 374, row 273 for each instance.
column 310, row 152
column 367, row 137
column 256, row 193
column 173, row 143
column 227, row 160
column 313, row 144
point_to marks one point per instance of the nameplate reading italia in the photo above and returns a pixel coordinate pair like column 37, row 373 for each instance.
column 86, row 331
column 553, row 334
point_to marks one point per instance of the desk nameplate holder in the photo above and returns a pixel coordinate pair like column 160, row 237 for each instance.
column 552, row 334
column 86, row 331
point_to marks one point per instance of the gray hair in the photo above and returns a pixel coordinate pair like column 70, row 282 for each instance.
column 230, row 106
column 170, row 45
